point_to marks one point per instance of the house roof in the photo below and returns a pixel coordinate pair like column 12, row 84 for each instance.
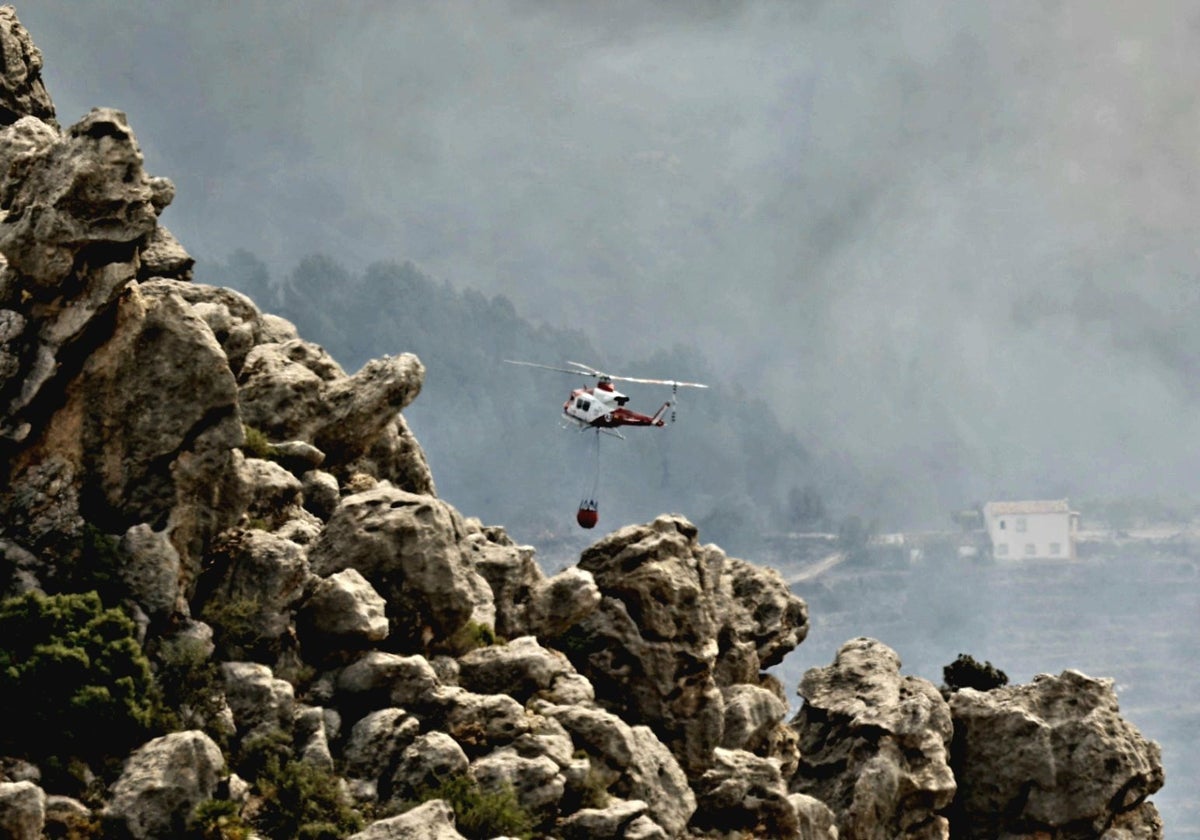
column 1025, row 507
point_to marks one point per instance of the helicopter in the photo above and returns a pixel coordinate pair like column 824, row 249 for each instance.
column 602, row 407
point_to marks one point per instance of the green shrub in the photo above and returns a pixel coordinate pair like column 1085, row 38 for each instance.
column 190, row 684
column 299, row 801
column 218, row 819
column 73, row 679
column 967, row 672
column 256, row 443
column 303, row 801
column 480, row 813
column 235, row 626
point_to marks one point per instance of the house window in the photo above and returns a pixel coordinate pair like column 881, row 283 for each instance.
column 1002, row 525
column 1001, row 549
column 1030, row 549
column 1020, row 524
column 1056, row 548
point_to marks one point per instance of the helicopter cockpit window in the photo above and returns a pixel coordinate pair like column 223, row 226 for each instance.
column 582, row 404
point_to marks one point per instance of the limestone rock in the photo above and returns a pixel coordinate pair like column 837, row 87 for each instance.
column 257, row 698
column 670, row 612
column 1052, row 756
column 537, row 782
column 607, row 823
column 150, row 570
column 816, row 821
column 744, row 793
column 408, row 547
column 321, row 493
column 144, row 432
column 272, row 490
column 518, row 668
column 312, row 738
column 345, row 609
column 22, row 92
column 378, row 680
column 396, row 456
column 22, row 810
column 377, row 740
column 874, row 745
column 430, row 759
column 751, row 713
column 65, row 816
column 253, row 582
column 162, row 783
column 433, row 820
column 478, row 722
column 163, row 256
column 87, row 189
column 558, row 603
column 636, row 763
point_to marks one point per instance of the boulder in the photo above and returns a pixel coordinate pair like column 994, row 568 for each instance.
column 742, row 792
column 162, row 783
column 519, row 668
column 670, row 613
column 751, row 715
column 258, row 700
column 87, row 189
column 875, row 745
column 815, row 820
column 630, row 761
column 22, row 92
column 537, row 782
column 345, row 610
column 479, row 722
column 433, row 820
column 429, row 760
column 22, row 810
column 1053, row 756
column 378, row 680
column 271, row 490
column 377, row 740
column 144, row 431
column 163, row 257
column 312, row 738
column 253, row 581
column 608, row 823
column 322, row 494
column 150, row 571
column 408, row 547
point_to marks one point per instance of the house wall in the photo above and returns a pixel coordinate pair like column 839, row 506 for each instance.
column 1024, row 536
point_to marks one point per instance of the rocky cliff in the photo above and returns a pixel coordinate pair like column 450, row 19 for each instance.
column 234, row 605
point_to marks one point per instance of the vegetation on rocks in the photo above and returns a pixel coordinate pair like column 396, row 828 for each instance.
column 75, row 678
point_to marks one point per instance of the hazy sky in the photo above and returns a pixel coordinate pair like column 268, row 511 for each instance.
column 954, row 243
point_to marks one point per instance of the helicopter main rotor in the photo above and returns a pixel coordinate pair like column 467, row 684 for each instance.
column 580, row 369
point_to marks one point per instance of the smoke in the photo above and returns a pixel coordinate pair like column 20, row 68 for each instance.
column 949, row 243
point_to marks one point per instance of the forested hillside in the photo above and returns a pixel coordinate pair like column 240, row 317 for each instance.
column 492, row 431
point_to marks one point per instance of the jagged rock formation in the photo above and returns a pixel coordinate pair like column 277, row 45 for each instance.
column 324, row 634
column 1054, row 759
column 875, row 745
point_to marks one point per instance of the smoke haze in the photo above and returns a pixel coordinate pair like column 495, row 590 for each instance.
column 953, row 244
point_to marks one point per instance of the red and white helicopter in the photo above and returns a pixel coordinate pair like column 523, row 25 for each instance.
column 602, row 407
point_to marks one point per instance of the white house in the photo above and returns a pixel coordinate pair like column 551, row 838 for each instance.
column 1033, row 530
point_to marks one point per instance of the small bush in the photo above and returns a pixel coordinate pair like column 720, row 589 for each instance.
column 299, row 801
column 218, row 819
column 967, row 672
column 256, row 444
column 481, row 814
column 191, row 688
column 73, row 679
column 235, row 626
